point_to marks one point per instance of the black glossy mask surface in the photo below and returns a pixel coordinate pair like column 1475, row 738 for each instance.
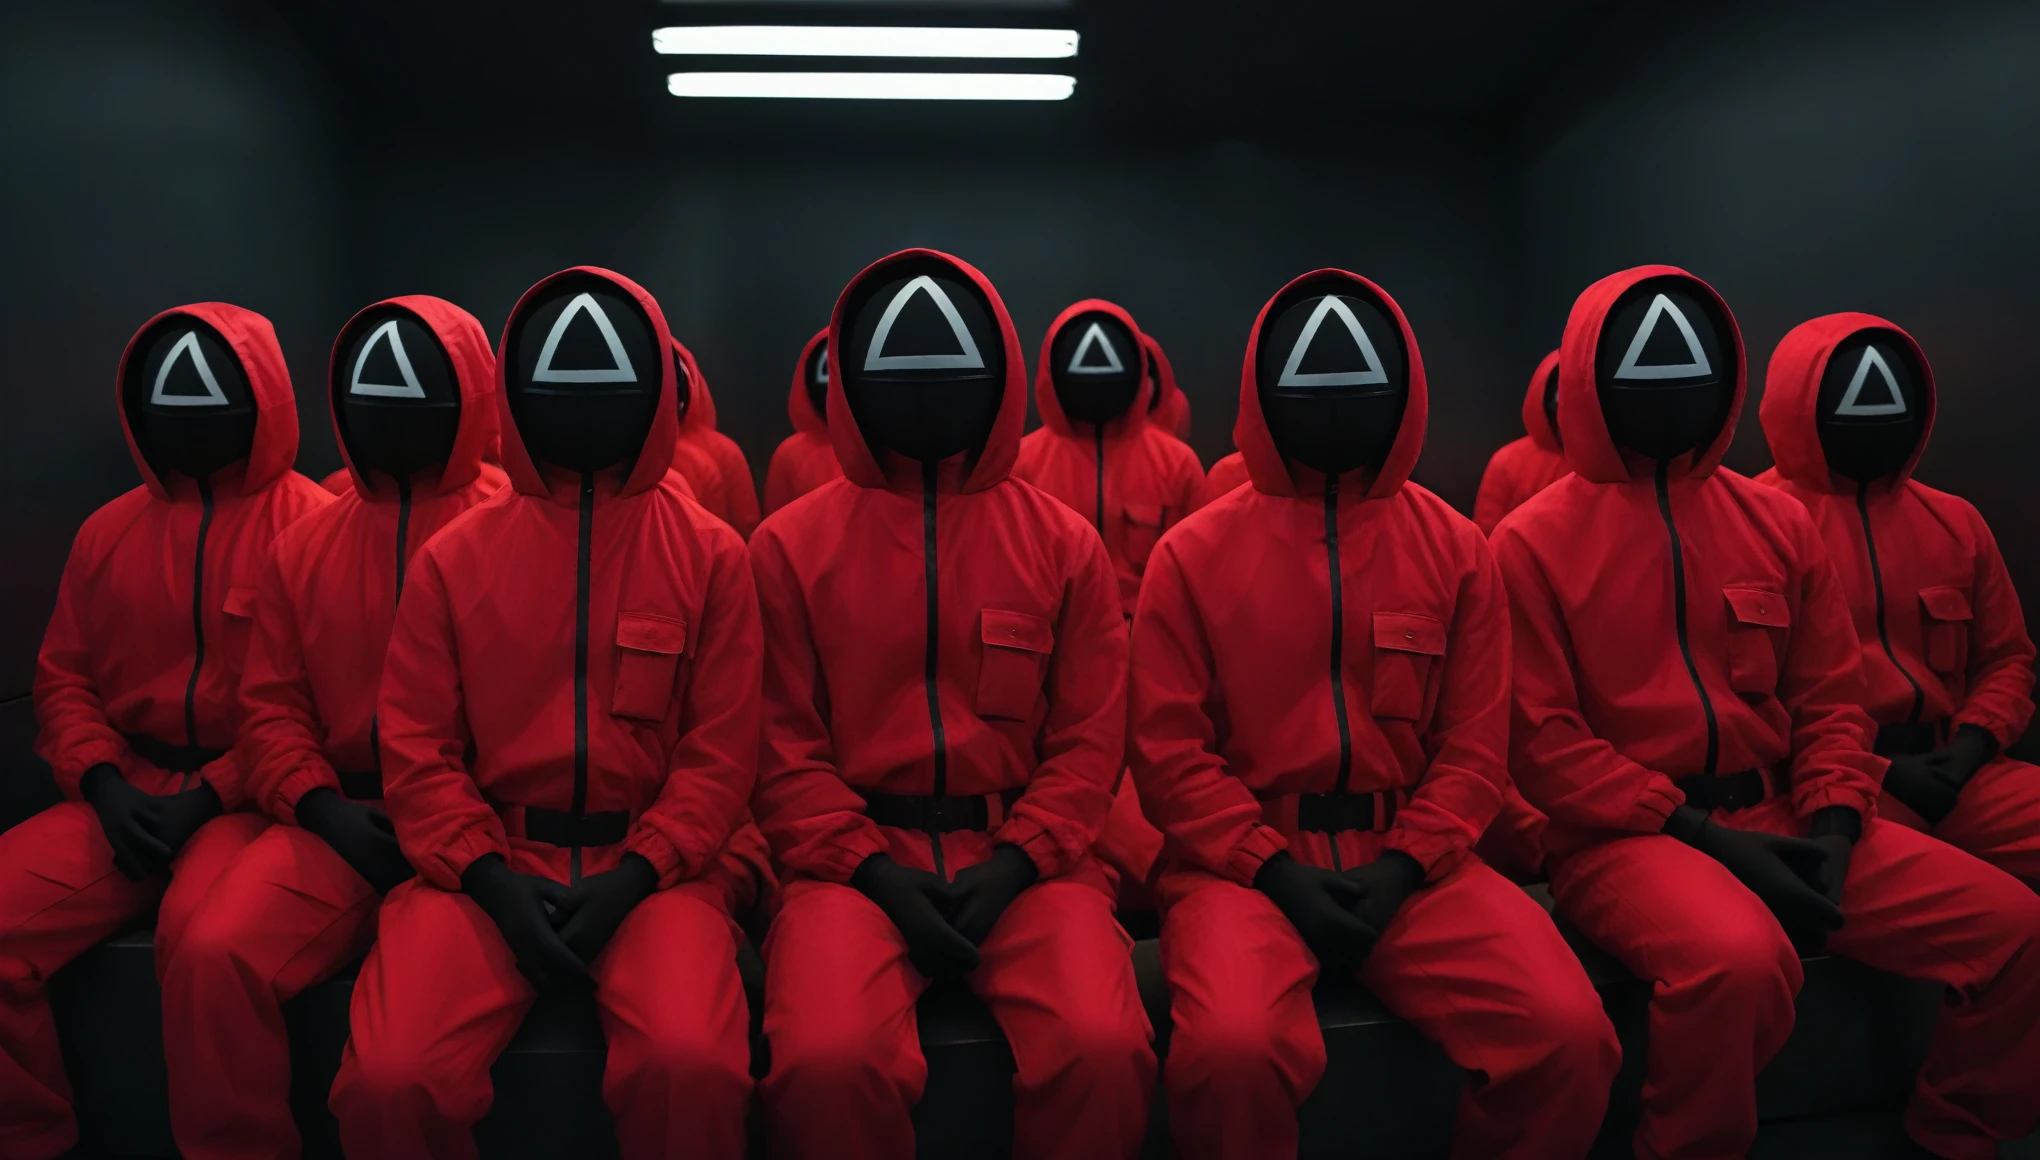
column 818, row 379
column 1663, row 371
column 189, row 402
column 1095, row 366
column 1333, row 378
column 399, row 400
column 1551, row 405
column 584, row 375
column 1871, row 409
column 923, row 364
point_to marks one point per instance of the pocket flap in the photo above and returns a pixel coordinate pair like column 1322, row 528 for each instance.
column 1758, row 606
column 650, row 633
column 1147, row 515
column 1409, row 632
column 240, row 602
column 1019, row 630
column 1945, row 602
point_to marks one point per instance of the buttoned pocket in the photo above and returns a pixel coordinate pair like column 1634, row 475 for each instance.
column 1944, row 622
column 1017, row 646
column 1141, row 529
column 1407, row 645
column 1758, row 620
column 648, row 652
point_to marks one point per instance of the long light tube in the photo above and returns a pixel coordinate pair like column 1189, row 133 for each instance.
column 875, row 86
column 825, row 40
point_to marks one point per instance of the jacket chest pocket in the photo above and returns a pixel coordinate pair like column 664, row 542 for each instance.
column 1944, row 622
column 1757, row 619
column 1141, row 529
column 648, row 652
column 1016, row 651
column 1407, row 646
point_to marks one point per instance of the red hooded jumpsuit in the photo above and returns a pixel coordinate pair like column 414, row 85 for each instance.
column 583, row 655
column 290, row 911
column 1686, row 620
column 1235, row 719
column 1956, row 655
column 1225, row 475
column 1527, row 466
column 711, row 460
column 1018, row 699
column 1171, row 411
column 146, row 641
column 804, row 461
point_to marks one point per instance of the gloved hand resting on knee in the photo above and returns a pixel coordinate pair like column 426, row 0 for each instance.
column 1320, row 904
column 517, row 904
column 1784, row 873
column 915, row 901
column 361, row 834
column 1931, row 783
column 984, row 891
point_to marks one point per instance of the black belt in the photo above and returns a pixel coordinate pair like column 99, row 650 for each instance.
column 362, row 785
column 1728, row 791
column 937, row 815
column 1334, row 813
column 1903, row 737
column 172, row 758
column 562, row 828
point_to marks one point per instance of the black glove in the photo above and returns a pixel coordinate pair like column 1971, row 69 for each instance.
column 1932, row 782
column 129, row 818
column 592, row 911
column 1385, row 884
column 1835, row 830
column 914, row 900
column 1319, row 903
column 518, row 904
column 361, row 834
column 984, row 891
column 179, row 815
column 1784, row 873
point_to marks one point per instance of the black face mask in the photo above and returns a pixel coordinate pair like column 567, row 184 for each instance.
column 399, row 400
column 923, row 364
column 1871, row 410
column 818, row 379
column 189, row 403
column 1333, row 377
column 1662, row 371
column 1551, row 406
column 584, row 375
column 1095, row 365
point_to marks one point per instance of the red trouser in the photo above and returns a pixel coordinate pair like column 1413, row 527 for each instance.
column 846, row 1053
column 1130, row 847
column 440, row 997
column 286, row 914
column 1470, row 960
column 1723, row 977
column 1997, row 818
column 59, row 894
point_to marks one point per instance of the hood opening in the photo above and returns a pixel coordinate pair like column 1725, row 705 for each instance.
column 1789, row 412
column 697, row 404
column 252, row 341
column 1536, row 421
column 1049, row 402
column 466, row 345
column 800, row 407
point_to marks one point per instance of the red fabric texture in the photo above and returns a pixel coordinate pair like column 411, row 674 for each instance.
column 1527, row 466
column 339, row 481
column 1029, row 681
column 1225, row 475
column 711, row 460
column 804, row 460
column 1150, row 479
column 119, row 653
column 1171, row 411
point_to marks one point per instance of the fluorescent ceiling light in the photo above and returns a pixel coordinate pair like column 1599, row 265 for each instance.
column 875, row 86
column 826, row 40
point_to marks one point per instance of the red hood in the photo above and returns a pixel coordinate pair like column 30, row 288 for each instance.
column 1045, row 400
column 699, row 414
column 1792, row 392
column 799, row 407
column 474, row 371
column 1265, row 466
column 657, row 453
column 1002, row 447
column 253, row 341
column 1589, row 451
column 1534, row 421
column 1171, row 412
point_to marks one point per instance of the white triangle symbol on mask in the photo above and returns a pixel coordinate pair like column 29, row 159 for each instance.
column 1661, row 307
column 187, row 347
column 822, row 364
column 967, row 357
column 409, row 389
column 1849, row 405
column 1095, row 339
column 619, row 372
column 1371, row 376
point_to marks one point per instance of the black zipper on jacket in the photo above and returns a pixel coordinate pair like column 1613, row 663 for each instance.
column 1338, row 635
column 1919, row 703
column 582, row 564
column 1099, row 429
column 403, row 533
column 928, row 479
column 205, row 515
column 1664, row 503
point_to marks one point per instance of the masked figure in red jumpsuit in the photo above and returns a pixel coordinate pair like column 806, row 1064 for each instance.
column 1687, row 710
column 136, row 688
column 1530, row 464
column 945, row 714
column 804, row 460
column 1323, row 819
column 712, row 462
column 568, row 724
column 1168, row 406
column 1848, row 404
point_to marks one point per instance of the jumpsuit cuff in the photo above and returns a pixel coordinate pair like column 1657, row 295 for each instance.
column 1245, row 859
column 838, row 860
column 283, row 801
column 84, row 757
column 654, row 847
column 1655, row 804
column 1034, row 840
column 447, row 864
column 1805, row 805
column 224, row 776
column 2005, row 731
column 1437, row 857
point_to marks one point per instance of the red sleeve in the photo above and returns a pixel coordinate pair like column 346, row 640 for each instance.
column 1210, row 816
column 73, row 733
column 1192, row 491
column 714, row 763
column 281, row 753
column 1491, row 503
column 2000, row 653
column 814, row 821
column 1082, row 744
column 442, row 821
column 1821, row 684
column 1468, row 736
column 1574, row 777
column 740, row 494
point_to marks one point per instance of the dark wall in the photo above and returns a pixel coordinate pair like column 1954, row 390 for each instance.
column 1863, row 156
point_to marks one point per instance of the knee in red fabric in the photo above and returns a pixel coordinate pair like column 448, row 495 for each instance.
column 1246, row 1048
column 827, row 1058
column 690, row 1060
column 1569, row 1038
